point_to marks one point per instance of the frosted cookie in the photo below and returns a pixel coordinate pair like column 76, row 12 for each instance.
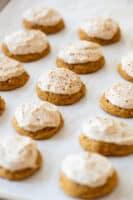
column 19, row 157
column 108, row 136
column 81, row 57
column 125, row 68
column 26, row 46
column 2, row 105
column 38, row 120
column 87, row 175
column 103, row 30
column 61, row 87
column 118, row 100
column 45, row 19
column 12, row 74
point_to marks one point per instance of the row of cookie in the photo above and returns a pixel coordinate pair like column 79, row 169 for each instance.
column 83, row 175
column 89, row 175
column 61, row 86
column 78, row 178
column 13, row 75
column 42, row 120
column 102, row 30
column 81, row 57
column 32, row 44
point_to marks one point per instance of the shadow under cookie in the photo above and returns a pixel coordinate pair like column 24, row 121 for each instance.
column 41, row 134
column 14, row 82
column 104, row 148
column 107, row 106
column 60, row 99
column 82, row 68
column 26, row 57
column 82, row 191
column 115, row 38
column 21, row 174
column 124, row 74
column 46, row 29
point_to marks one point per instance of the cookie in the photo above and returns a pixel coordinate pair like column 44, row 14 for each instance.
column 12, row 74
column 42, row 121
column 26, row 46
column 45, row 19
column 61, row 87
column 19, row 160
column 81, row 57
column 118, row 100
column 2, row 105
column 107, row 136
column 125, row 68
column 102, row 30
column 87, row 175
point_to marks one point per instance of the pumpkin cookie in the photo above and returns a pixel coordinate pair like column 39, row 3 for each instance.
column 45, row 19
column 61, row 87
column 87, row 175
column 125, row 68
column 81, row 57
column 38, row 120
column 12, row 74
column 118, row 100
column 100, row 30
column 2, row 105
column 26, row 46
column 19, row 157
column 107, row 136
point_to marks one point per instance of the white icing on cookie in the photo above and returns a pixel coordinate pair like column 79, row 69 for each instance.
column 127, row 64
column 37, row 115
column 108, row 130
column 9, row 68
column 81, row 52
column 42, row 16
column 100, row 27
column 88, row 169
column 17, row 153
column 26, row 42
column 60, row 81
column 121, row 95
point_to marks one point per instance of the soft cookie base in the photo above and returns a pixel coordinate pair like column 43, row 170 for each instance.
column 84, row 36
column 82, row 68
column 41, row 134
column 107, row 149
column 85, row 192
column 115, row 110
column 2, row 105
column 21, row 174
column 14, row 82
column 59, row 99
column 46, row 29
column 28, row 57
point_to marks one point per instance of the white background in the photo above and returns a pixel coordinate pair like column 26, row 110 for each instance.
column 44, row 184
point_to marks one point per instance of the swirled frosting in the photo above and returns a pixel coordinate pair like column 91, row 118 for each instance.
column 121, row 95
column 100, row 27
column 127, row 64
column 81, row 52
column 37, row 115
column 42, row 16
column 108, row 130
column 9, row 68
column 60, row 81
column 89, row 169
column 17, row 153
column 26, row 42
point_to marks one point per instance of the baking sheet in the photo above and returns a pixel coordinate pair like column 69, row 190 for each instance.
column 44, row 184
